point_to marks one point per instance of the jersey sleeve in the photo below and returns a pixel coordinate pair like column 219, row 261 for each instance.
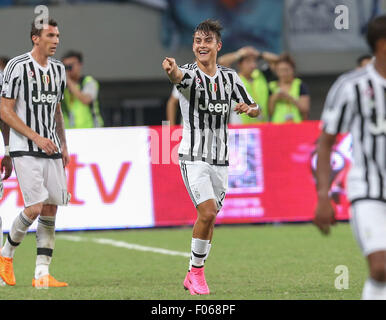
column 175, row 92
column 11, row 81
column 239, row 93
column 187, row 79
column 338, row 109
column 63, row 83
column 1, row 80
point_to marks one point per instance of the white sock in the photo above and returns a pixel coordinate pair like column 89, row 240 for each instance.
column 374, row 290
column 199, row 252
column 45, row 242
column 16, row 235
column 206, row 257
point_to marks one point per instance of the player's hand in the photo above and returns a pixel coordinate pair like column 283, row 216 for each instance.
column 65, row 156
column 169, row 65
column 45, row 144
column 242, row 107
column 6, row 167
column 324, row 215
column 247, row 51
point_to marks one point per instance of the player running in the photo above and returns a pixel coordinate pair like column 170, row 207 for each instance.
column 207, row 90
column 32, row 90
column 356, row 104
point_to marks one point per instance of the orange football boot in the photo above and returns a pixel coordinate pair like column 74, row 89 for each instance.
column 47, row 281
column 6, row 271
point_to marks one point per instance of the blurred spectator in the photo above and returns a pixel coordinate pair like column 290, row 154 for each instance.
column 364, row 60
column 172, row 108
column 290, row 99
column 80, row 105
column 3, row 62
column 255, row 79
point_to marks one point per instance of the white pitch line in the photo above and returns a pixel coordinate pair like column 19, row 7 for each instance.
column 122, row 244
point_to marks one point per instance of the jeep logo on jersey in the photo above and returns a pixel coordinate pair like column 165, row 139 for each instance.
column 44, row 97
column 219, row 107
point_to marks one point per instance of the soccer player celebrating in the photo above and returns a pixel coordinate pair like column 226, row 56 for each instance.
column 32, row 90
column 206, row 93
column 356, row 104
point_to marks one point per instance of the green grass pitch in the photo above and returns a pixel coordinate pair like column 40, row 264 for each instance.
column 249, row 262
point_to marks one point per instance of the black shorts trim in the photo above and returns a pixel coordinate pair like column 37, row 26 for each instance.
column 368, row 198
column 215, row 162
column 15, row 154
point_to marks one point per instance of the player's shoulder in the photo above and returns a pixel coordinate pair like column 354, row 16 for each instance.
column 20, row 59
column 189, row 66
column 226, row 69
column 56, row 62
column 352, row 77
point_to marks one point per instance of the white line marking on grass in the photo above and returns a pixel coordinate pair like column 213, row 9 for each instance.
column 122, row 244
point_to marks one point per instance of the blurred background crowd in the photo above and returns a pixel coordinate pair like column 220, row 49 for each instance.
column 287, row 53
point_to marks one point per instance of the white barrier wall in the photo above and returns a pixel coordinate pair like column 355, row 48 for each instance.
column 109, row 178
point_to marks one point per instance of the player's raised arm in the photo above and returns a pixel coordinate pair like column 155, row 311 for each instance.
column 174, row 73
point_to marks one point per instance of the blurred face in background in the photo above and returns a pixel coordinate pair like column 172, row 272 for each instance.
column 364, row 62
column 73, row 68
column 285, row 71
column 205, row 47
column 247, row 65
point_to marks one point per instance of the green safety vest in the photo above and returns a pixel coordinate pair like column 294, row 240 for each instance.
column 258, row 90
column 77, row 114
column 284, row 111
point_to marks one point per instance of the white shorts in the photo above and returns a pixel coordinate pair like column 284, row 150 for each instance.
column 41, row 180
column 368, row 222
column 205, row 181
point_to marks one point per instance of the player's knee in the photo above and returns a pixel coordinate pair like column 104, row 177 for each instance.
column 33, row 211
column 377, row 263
column 208, row 216
column 378, row 272
column 49, row 210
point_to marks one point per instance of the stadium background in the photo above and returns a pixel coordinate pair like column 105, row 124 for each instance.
column 120, row 178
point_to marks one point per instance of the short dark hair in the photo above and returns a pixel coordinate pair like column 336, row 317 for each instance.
column 38, row 31
column 363, row 57
column 3, row 61
column 376, row 30
column 285, row 57
column 210, row 25
column 73, row 53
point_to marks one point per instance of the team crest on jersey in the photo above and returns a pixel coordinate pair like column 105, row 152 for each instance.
column 46, row 78
column 198, row 84
column 31, row 74
column 213, row 87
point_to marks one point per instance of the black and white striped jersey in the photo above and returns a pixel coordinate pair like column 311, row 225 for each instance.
column 1, row 80
column 356, row 103
column 37, row 91
column 205, row 104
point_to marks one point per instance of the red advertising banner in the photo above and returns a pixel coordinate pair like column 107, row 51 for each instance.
column 271, row 176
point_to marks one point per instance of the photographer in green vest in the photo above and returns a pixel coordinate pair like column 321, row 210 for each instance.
column 80, row 105
column 290, row 99
column 254, row 79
